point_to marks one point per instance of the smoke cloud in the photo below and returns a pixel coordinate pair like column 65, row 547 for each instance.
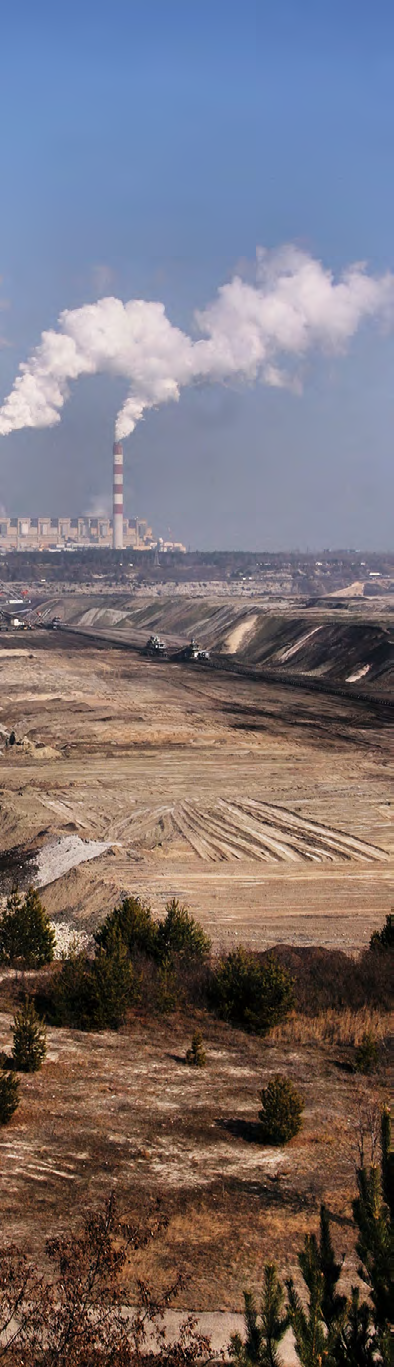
column 258, row 331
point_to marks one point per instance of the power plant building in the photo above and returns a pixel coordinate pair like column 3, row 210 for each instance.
column 52, row 533
column 68, row 533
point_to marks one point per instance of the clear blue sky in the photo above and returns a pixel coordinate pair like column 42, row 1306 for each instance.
column 147, row 146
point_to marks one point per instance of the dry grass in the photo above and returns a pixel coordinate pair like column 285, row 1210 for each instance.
column 334, row 1027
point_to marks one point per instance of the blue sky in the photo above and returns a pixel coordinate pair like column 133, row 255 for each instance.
column 147, row 147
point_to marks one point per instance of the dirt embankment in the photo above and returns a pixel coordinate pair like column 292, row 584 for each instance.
column 341, row 652
column 331, row 646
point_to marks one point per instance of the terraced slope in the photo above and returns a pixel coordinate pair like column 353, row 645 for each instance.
column 315, row 643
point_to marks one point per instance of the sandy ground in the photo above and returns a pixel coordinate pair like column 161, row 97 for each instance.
column 239, row 634
column 268, row 810
column 123, row 1111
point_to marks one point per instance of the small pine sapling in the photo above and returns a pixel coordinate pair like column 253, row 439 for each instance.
column 372, row 1215
column 387, row 1160
column 264, row 1331
column 355, row 1345
column 367, row 1057
column 196, row 1055
column 282, row 1107
column 9, row 1096
column 333, row 1304
column 29, row 1035
column 307, row 1319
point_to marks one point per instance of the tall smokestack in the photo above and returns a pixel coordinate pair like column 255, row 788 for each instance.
column 118, row 497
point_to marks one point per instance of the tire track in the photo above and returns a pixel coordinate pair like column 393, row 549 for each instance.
column 248, row 830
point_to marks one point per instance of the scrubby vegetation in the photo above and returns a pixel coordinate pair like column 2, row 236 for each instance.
column 250, row 992
column 329, row 979
column 9, row 1096
column 366, row 1056
column 26, row 935
column 93, row 994
column 75, row 1315
column 141, row 965
column 328, row 1326
column 196, row 1055
column 177, row 933
column 281, row 1112
column 336, row 1026
column 29, row 1036
column 133, row 923
column 384, row 939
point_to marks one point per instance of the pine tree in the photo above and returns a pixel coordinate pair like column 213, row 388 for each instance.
column 333, row 1305
column 355, row 1345
column 281, row 1114
column 308, row 1324
column 387, row 1161
column 367, row 1055
column 133, row 922
column 179, row 933
column 317, row 1329
column 384, row 939
column 29, row 1034
column 364, row 1337
column 263, row 1336
column 26, row 934
column 375, row 1245
column 273, row 1321
column 196, row 1055
column 9, row 1096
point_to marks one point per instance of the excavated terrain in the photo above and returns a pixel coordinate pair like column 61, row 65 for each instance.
column 269, row 811
column 348, row 644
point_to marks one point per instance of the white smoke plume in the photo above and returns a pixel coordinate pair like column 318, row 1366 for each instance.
column 250, row 331
column 100, row 505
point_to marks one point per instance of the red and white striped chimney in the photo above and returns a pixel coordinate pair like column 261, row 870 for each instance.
column 118, row 497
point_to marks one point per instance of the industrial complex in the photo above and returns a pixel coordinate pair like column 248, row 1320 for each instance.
column 52, row 533
column 67, row 533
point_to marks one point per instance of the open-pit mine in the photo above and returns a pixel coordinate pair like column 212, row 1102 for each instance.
column 255, row 785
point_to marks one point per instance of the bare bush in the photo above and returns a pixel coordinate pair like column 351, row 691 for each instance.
column 76, row 1317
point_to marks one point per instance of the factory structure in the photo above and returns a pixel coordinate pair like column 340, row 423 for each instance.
column 70, row 533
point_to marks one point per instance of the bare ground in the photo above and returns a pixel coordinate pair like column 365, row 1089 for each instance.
column 124, row 1111
column 270, row 812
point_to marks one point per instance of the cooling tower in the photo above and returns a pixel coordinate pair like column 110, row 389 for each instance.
column 118, row 497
